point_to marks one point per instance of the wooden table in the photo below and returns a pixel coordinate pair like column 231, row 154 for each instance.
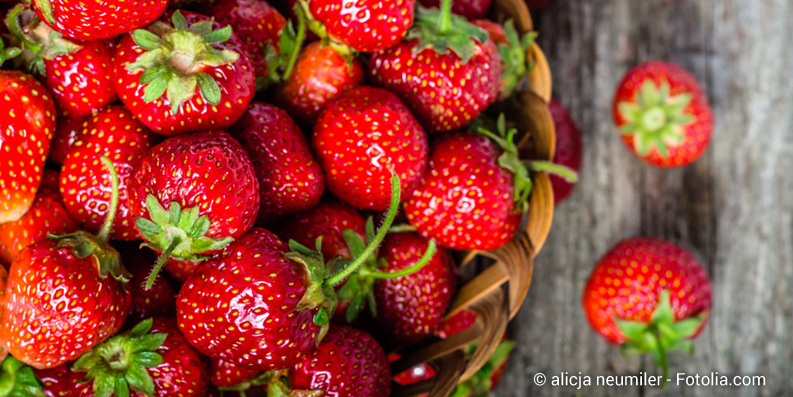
column 732, row 208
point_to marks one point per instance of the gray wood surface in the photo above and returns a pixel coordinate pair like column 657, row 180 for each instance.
column 732, row 208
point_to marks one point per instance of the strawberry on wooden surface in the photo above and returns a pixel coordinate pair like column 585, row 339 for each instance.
column 360, row 138
column 98, row 19
column 185, row 75
column 114, row 133
column 648, row 295
column 446, row 70
column 663, row 115
column 290, row 180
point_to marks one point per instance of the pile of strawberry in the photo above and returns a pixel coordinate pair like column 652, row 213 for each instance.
column 246, row 153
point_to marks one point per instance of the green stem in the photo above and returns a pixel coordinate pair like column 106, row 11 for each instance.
column 161, row 262
column 662, row 357
column 12, row 21
column 378, row 238
column 301, row 34
column 104, row 232
column 551, row 168
column 431, row 248
column 404, row 228
column 445, row 25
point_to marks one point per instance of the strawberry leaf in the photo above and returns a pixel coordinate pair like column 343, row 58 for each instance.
column 146, row 39
column 156, row 88
column 179, row 22
column 219, row 36
column 209, row 88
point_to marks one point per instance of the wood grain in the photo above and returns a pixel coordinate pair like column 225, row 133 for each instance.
column 733, row 208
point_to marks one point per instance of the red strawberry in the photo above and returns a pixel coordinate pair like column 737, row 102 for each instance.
column 26, row 128
column 326, row 220
column 67, row 131
column 648, row 295
column 446, row 71
column 98, row 19
column 360, row 138
column 366, row 25
column 192, row 194
column 182, row 76
column 152, row 359
column 348, row 362
column 290, row 180
column 457, row 323
column 320, row 76
column 157, row 301
column 469, row 9
column 114, row 133
column 87, row 302
column 512, row 50
column 410, row 308
column 415, row 374
column 47, row 215
column 62, row 381
column 3, row 282
column 225, row 374
column 180, row 270
column 663, row 114
column 569, row 149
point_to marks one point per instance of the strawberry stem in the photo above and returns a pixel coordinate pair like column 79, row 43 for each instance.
column 104, row 232
column 559, row 170
column 12, row 21
column 396, row 192
column 445, row 25
column 161, row 262
column 404, row 228
column 301, row 34
column 431, row 248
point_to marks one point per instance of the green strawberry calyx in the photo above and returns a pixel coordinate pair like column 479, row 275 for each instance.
column 662, row 334
column 37, row 39
column 8, row 53
column 281, row 61
column 444, row 31
column 175, row 58
column 513, row 58
column 18, row 380
column 177, row 233
column 277, row 383
column 119, row 364
column 656, row 119
column 345, row 51
column 85, row 245
column 481, row 383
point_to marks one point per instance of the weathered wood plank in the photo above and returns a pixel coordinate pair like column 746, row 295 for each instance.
column 732, row 208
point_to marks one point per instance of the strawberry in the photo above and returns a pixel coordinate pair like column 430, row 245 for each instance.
column 290, row 180
column 192, row 194
column 411, row 307
column 26, row 128
column 663, row 115
column 512, row 49
column 67, row 130
column 446, row 70
column 415, row 374
column 183, row 76
column 225, row 374
column 360, row 138
column 157, row 301
column 46, row 216
column 348, row 362
column 180, row 270
column 85, row 301
column 469, row 9
column 114, row 133
column 457, row 323
column 3, row 282
column 569, row 149
column 152, row 359
column 62, row 381
column 78, row 74
column 98, row 19
column 320, row 76
column 365, row 26
column 648, row 296
column 327, row 220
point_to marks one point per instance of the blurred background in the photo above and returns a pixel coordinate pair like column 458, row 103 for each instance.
column 732, row 208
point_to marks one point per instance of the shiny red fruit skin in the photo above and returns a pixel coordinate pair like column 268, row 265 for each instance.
column 61, row 381
column 320, row 76
column 180, row 270
column 85, row 182
column 494, row 30
column 240, row 307
column 206, row 169
column 697, row 134
column 225, row 374
column 159, row 300
column 290, row 180
column 359, row 138
column 100, row 19
column 470, row 9
column 67, row 130
column 235, row 80
column 256, row 23
column 626, row 283
column 82, row 82
column 441, row 91
column 569, row 149
column 457, row 323
column 348, row 362
column 47, row 215
column 365, row 25
column 327, row 220
column 26, row 128
column 57, row 307
column 411, row 307
column 465, row 200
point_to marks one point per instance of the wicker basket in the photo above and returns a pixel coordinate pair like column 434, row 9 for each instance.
column 496, row 293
